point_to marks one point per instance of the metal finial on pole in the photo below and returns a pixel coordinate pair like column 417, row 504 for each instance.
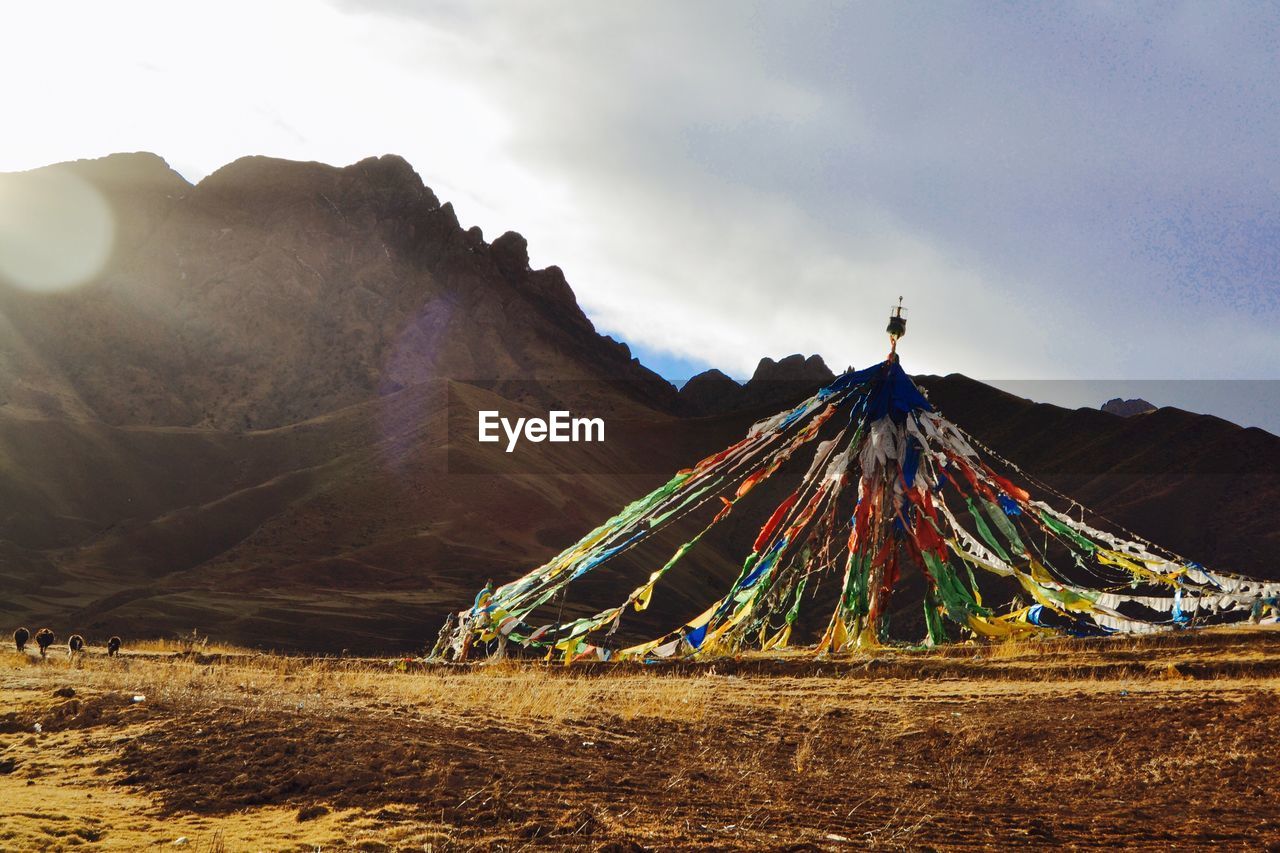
column 897, row 327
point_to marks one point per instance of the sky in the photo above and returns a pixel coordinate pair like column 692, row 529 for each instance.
column 1062, row 191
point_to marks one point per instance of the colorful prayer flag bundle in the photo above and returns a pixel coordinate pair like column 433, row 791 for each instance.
column 895, row 484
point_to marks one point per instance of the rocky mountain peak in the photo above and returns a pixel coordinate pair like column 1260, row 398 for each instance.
column 1127, row 408
column 710, row 392
column 510, row 254
column 275, row 291
column 793, row 368
column 387, row 182
column 774, row 383
column 133, row 171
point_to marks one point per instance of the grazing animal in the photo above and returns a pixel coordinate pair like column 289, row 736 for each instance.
column 20, row 638
column 44, row 639
column 75, row 644
column 113, row 647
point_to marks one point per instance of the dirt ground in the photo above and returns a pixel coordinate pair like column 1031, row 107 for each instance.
column 1142, row 744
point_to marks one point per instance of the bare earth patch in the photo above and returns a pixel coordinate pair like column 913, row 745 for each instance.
column 1156, row 744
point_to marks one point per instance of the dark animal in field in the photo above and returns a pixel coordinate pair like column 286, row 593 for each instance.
column 44, row 639
column 113, row 647
column 75, row 644
column 20, row 638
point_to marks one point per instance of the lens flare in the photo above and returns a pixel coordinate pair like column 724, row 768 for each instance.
column 56, row 230
column 414, row 361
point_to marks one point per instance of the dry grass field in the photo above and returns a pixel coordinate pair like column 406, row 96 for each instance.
column 1157, row 743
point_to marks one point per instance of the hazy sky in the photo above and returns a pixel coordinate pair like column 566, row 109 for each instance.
column 1059, row 190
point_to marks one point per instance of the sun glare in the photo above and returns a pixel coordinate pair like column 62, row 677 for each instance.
column 56, row 230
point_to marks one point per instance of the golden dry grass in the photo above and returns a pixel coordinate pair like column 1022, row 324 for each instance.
column 979, row 746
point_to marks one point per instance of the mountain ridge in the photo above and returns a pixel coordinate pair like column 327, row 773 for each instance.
column 267, row 263
column 254, row 428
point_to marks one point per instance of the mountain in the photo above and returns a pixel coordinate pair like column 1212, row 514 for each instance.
column 275, row 291
column 247, row 430
column 1127, row 408
column 774, row 383
column 1194, row 483
column 259, row 420
column 710, row 392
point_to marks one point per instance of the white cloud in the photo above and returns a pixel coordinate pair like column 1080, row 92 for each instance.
column 725, row 181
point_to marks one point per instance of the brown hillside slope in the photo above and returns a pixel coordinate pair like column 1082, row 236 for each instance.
column 358, row 529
